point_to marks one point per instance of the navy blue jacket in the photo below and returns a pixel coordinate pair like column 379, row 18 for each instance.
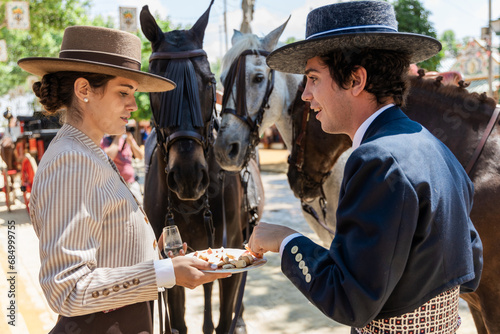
column 403, row 229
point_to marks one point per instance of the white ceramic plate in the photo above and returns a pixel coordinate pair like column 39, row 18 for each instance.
column 236, row 253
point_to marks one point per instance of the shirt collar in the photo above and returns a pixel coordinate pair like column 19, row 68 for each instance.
column 71, row 131
column 358, row 136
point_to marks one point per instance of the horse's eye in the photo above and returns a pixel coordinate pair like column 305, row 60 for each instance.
column 258, row 78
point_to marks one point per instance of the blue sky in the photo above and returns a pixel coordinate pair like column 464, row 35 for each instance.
column 465, row 17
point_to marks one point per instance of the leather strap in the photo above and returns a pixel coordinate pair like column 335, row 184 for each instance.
column 480, row 146
column 167, row 329
column 177, row 54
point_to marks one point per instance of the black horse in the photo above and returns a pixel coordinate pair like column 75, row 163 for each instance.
column 184, row 185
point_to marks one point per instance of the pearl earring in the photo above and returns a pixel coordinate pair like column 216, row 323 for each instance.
column 85, row 100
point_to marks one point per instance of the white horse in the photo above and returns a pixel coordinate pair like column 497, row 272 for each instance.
column 255, row 98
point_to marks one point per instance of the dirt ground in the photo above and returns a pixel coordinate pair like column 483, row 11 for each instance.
column 272, row 304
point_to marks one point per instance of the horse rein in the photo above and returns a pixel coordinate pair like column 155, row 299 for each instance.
column 236, row 75
column 477, row 152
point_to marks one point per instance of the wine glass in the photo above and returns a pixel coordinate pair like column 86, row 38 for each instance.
column 172, row 240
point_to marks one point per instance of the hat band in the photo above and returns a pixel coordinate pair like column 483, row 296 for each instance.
column 99, row 57
column 365, row 28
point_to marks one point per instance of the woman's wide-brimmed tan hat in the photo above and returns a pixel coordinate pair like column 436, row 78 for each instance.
column 99, row 50
column 350, row 27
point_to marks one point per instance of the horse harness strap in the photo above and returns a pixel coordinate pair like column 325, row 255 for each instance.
column 177, row 54
column 236, row 75
column 482, row 142
column 186, row 134
column 303, row 128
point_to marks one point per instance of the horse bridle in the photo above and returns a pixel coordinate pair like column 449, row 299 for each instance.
column 165, row 142
column 236, row 74
column 205, row 142
column 299, row 141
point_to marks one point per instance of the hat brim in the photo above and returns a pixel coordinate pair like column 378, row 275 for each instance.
column 147, row 82
column 292, row 58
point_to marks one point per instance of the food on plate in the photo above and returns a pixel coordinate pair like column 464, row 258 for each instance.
column 257, row 255
column 225, row 259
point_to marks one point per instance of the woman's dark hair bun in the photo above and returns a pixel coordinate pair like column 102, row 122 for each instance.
column 47, row 91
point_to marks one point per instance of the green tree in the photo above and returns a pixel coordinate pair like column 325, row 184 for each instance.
column 48, row 19
column 413, row 17
column 450, row 44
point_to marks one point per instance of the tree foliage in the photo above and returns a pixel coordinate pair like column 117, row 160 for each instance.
column 48, row 19
column 450, row 44
column 413, row 17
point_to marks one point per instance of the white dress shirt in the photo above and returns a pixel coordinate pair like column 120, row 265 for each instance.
column 360, row 132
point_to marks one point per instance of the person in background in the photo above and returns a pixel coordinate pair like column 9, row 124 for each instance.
column 405, row 246
column 122, row 149
column 100, row 265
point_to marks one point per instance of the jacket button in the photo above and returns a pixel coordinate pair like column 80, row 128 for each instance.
column 95, row 294
column 308, row 278
column 154, row 244
column 146, row 220
column 295, row 249
column 136, row 281
column 302, row 264
column 126, row 285
column 298, row 257
column 305, row 270
column 105, row 292
column 116, row 288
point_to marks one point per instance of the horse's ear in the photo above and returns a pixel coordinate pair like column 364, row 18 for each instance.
column 236, row 36
column 149, row 26
column 200, row 25
column 271, row 40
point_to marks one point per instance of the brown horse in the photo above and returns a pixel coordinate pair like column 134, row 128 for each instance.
column 459, row 119
column 184, row 185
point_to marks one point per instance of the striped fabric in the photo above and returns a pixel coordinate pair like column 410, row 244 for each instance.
column 96, row 244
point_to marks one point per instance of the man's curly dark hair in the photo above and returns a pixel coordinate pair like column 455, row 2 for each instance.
column 387, row 71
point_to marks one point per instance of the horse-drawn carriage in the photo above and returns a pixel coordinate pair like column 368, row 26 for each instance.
column 22, row 147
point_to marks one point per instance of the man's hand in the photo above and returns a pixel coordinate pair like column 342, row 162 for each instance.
column 268, row 237
column 188, row 272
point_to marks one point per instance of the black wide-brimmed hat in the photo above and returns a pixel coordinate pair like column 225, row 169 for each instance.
column 99, row 50
column 351, row 26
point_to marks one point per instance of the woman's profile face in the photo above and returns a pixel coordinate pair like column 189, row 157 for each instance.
column 109, row 108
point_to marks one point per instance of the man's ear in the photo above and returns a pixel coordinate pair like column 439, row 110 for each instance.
column 358, row 82
column 82, row 89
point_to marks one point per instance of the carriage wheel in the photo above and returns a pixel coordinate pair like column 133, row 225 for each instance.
column 28, row 170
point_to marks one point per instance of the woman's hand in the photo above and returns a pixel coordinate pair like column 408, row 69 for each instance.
column 188, row 272
column 170, row 254
column 182, row 252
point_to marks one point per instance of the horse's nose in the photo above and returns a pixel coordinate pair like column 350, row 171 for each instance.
column 188, row 183
column 233, row 150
